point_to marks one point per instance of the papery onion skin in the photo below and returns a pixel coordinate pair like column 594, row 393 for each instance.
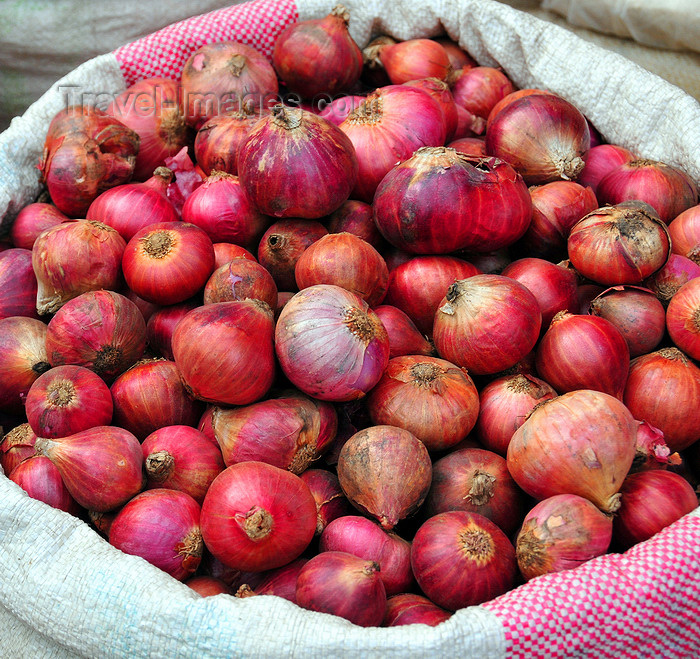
column 241, row 279
column 561, row 533
column 385, row 473
column 409, row 609
column 651, row 450
column 41, row 480
column 101, row 330
column 685, row 234
column 504, row 404
column 543, row 137
column 330, row 344
column 161, row 526
column 461, row 559
column 224, row 351
column 338, row 109
column 16, row 446
column 666, row 282
column 475, row 312
column 683, row 318
column 414, row 59
column 279, row 163
column 483, row 204
column 331, row 503
column 469, row 146
column 600, row 161
column 404, row 337
column 257, row 517
column 74, row 257
column 101, row 467
column 582, row 442
column 31, row 221
column 651, row 500
column 18, row 284
column 663, row 388
column 67, row 400
column 431, row 398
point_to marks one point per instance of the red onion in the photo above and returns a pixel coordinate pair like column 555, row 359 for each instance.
column 409, row 609
column 482, row 205
column 344, row 585
column 101, row 330
column 459, row 58
column 582, row 442
column 504, row 404
column 381, row 134
column 241, row 279
column 161, row 526
column 74, row 257
column 412, row 59
column 147, row 309
column 338, row 109
column 542, row 136
column 668, row 190
column 161, row 326
column 479, row 88
column 208, row 586
column 385, row 473
column 486, row 323
column 16, row 446
column 554, row 286
column 586, row 294
column 364, row 538
column 181, row 458
column 404, row 337
column 282, row 581
column 356, row 217
column 621, row 244
column 651, row 500
column 31, row 221
column 225, row 252
column 461, row 559
column 561, row 533
column 223, row 77
column 18, row 284
column 436, row 274
column 683, row 318
column 279, row 186
column 600, row 161
column 468, row 124
column 440, row 91
column 101, row 467
column 134, row 206
column 187, row 178
column 431, row 398
column 41, row 480
column 470, row 146
column 224, row 351
column 257, row 517
column 678, row 271
column 330, row 344
column 651, row 450
column 168, row 262
column 685, row 234
column 318, row 56
column 67, row 400
column 150, row 108
column 636, row 312
column 331, row 503
column 583, row 352
column 509, row 98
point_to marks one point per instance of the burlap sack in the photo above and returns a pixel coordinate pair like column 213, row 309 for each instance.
column 64, row 592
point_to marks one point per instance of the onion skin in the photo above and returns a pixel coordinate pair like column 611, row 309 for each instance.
column 257, row 517
column 651, row 500
column 345, row 585
column 161, row 526
column 279, row 163
column 440, row 91
column 41, row 480
column 330, row 344
column 666, row 282
column 161, row 326
column 504, row 404
column 385, row 473
column 479, row 88
column 663, row 388
column 561, row 533
column 241, row 279
column 470, row 146
column 459, row 58
column 483, row 204
column 636, row 312
column 74, row 257
column 224, row 351
column 600, row 161
column 331, row 503
column 67, row 400
column 414, row 59
column 542, row 136
column 436, row 274
column 16, row 446
column 477, row 311
column 583, row 352
column 225, row 252
column 101, row 467
column 509, row 98
column 410, row 609
column 461, row 559
column 582, row 442
column 431, row 398
column 651, row 450
column 356, row 217
column 282, row 581
column 18, row 284
column 683, row 318
column 404, row 337
column 31, row 221
column 685, row 234
column 208, row 586
column 101, row 330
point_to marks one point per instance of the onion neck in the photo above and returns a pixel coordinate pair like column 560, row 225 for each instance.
column 477, row 545
column 191, row 549
column 60, row 393
column 158, row 244
column 236, row 65
column 41, row 367
column 530, row 551
column 287, row 118
column 160, row 466
column 482, row 488
column 359, row 324
column 107, row 359
column 340, row 12
column 369, row 112
column 257, row 523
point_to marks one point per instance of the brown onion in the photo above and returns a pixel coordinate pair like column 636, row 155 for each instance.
column 101, row 330
column 16, row 446
column 561, row 533
column 683, row 318
column 385, row 473
column 685, row 234
column 409, row 609
column 486, row 323
column 666, row 282
column 31, row 221
column 279, row 163
column 331, row 503
column 241, row 279
column 582, row 442
column 18, row 284
column 431, row 398
column 600, row 161
column 74, row 257
column 404, row 337
column 41, row 480
column 544, row 137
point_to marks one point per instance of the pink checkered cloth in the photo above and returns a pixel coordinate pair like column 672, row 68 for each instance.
column 641, row 603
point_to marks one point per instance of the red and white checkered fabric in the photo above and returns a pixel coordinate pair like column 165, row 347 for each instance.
column 163, row 53
column 643, row 603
